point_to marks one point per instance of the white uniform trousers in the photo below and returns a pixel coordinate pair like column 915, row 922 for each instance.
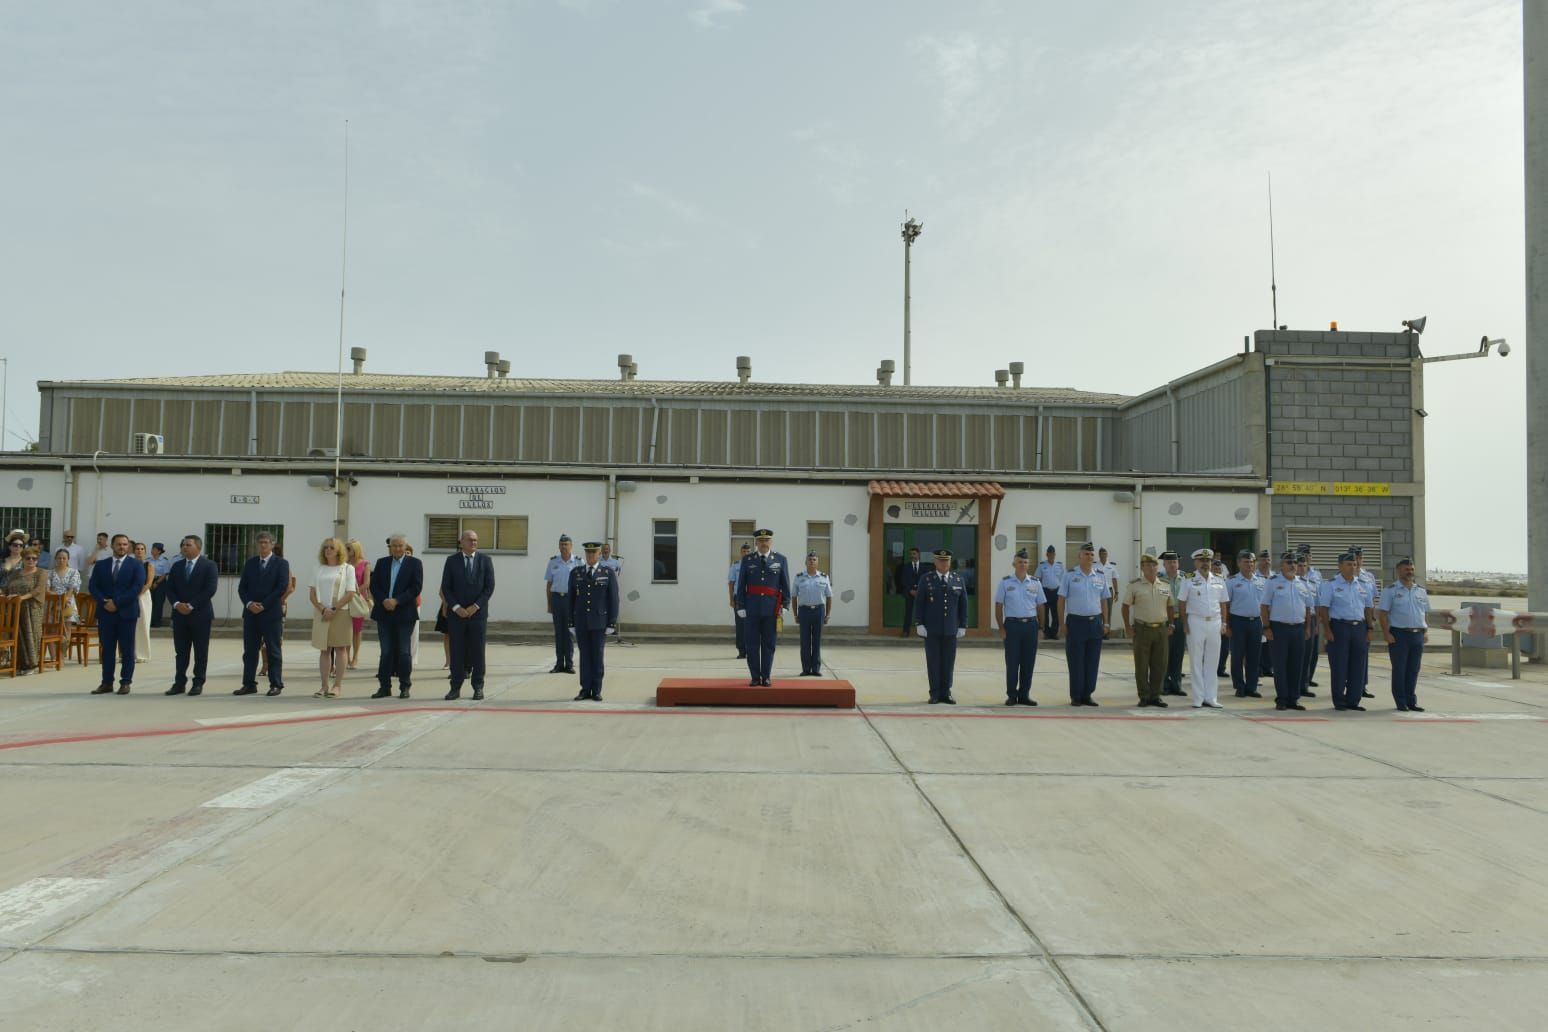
column 1203, row 656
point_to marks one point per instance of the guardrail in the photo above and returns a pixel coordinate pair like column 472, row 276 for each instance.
column 1487, row 623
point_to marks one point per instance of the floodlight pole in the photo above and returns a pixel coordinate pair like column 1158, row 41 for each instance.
column 911, row 230
column 1535, row 53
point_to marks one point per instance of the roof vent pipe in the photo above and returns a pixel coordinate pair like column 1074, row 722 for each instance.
column 1001, row 377
column 743, row 368
column 634, row 368
column 626, row 367
column 358, row 356
column 491, row 360
column 504, row 368
column 884, row 373
column 1016, row 369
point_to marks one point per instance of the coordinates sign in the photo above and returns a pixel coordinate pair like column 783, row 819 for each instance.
column 1348, row 489
column 962, row 511
column 475, row 496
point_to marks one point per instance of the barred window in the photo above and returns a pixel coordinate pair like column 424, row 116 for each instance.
column 495, row 533
column 230, row 544
column 35, row 521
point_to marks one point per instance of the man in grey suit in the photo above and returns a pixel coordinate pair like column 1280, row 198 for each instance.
column 467, row 581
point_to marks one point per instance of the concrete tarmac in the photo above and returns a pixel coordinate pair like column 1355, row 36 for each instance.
column 534, row 862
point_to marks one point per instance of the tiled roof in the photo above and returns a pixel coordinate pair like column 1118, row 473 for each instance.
column 937, row 489
column 617, row 388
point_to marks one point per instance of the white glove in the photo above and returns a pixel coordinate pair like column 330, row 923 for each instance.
column 611, row 630
column 961, row 631
column 921, row 630
column 742, row 613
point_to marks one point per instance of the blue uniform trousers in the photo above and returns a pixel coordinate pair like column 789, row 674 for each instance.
column 1362, row 672
column 1309, row 658
column 1176, row 648
column 1083, row 654
column 741, row 636
column 810, row 620
column 760, row 635
column 1266, row 660
column 1225, row 653
column 590, row 643
column 1246, row 650
column 1020, row 656
column 940, row 662
column 564, row 646
column 1288, row 647
column 115, row 632
column 1345, row 651
column 1051, row 615
column 266, row 629
column 1405, row 655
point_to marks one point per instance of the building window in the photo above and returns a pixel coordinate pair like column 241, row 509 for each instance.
column 495, row 533
column 663, row 551
column 36, row 522
column 1074, row 537
column 741, row 534
column 231, row 544
column 1030, row 537
column 819, row 539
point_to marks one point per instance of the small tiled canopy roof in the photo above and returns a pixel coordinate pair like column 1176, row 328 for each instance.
column 937, row 489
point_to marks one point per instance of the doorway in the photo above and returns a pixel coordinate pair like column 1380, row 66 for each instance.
column 927, row 537
column 1187, row 540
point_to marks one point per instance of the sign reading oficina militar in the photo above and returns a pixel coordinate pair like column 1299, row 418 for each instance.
column 962, row 511
column 475, row 496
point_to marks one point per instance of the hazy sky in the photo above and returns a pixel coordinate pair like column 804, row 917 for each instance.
column 690, row 180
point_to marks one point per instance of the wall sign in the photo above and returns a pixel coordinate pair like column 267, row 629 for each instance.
column 244, row 499
column 1347, row 489
column 960, row 511
column 475, row 496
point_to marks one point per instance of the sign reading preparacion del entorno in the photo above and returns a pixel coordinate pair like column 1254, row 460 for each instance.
column 475, row 496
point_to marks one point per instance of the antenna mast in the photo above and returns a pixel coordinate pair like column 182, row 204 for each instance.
column 1273, row 275
column 338, row 426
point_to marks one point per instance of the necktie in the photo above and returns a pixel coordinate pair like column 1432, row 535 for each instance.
column 467, row 564
column 392, row 581
column 116, row 563
column 188, row 571
column 591, row 571
column 263, row 564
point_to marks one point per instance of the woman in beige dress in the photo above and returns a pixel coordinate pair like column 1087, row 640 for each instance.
column 333, row 585
column 31, row 584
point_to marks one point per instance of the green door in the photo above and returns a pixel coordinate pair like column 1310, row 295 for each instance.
column 927, row 537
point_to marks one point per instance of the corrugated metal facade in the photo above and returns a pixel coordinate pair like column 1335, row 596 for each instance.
column 1212, row 430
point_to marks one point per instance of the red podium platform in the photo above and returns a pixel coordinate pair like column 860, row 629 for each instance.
column 730, row 691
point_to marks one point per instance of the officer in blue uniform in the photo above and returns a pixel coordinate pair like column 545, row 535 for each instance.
column 556, row 592
column 1313, row 579
column 1344, row 610
column 1019, row 607
column 1246, row 627
column 1287, row 625
column 941, row 609
column 731, row 579
column 813, row 605
column 762, row 592
column 1404, row 612
column 1374, row 588
column 1265, row 653
column 1050, row 574
column 1081, row 594
column 593, row 602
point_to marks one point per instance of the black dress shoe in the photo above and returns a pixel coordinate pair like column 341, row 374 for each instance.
column 176, row 689
column 1159, row 704
column 756, row 682
column 245, row 690
column 1338, row 707
column 1280, row 706
column 275, row 689
column 569, row 669
column 948, row 700
column 1028, row 701
column 478, row 695
column 102, row 689
column 1356, row 706
column 403, row 693
column 585, row 693
column 767, row 683
column 1296, row 705
column 382, row 693
column 1366, row 695
column 1090, row 702
column 1241, row 695
column 1010, row 702
column 197, row 689
column 454, row 694
column 1309, row 695
column 558, row 668
column 741, row 655
column 1416, row 709
column 1312, row 684
column 1254, row 695
column 1402, row 708
column 935, row 702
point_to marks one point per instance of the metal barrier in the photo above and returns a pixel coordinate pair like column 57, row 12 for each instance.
column 1477, row 621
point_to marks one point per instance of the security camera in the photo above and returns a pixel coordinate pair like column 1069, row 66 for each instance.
column 1504, row 347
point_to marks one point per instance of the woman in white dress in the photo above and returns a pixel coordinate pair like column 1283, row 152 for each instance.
column 142, row 649
column 333, row 585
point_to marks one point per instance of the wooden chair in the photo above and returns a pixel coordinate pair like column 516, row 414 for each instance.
column 10, row 632
column 83, row 636
column 55, row 632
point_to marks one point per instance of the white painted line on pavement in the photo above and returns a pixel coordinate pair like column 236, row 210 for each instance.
column 41, row 898
column 269, row 788
column 259, row 718
column 1469, row 716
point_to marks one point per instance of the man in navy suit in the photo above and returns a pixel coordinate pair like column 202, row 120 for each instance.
column 907, row 579
column 191, row 585
column 116, row 583
column 593, row 599
column 467, row 581
column 396, row 583
column 261, row 587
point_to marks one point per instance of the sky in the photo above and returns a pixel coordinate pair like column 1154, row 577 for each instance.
column 687, row 181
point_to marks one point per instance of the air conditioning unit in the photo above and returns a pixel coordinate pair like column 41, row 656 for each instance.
column 147, row 444
column 322, row 453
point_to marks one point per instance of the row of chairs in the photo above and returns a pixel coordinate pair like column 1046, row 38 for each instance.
column 59, row 635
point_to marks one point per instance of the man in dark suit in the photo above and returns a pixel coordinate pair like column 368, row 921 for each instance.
column 261, row 587
column 396, row 583
column 116, row 583
column 593, row 599
column 191, row 585
column 906, row 577
column 467, row 581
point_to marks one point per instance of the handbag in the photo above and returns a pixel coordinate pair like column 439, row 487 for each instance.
column 358, row 606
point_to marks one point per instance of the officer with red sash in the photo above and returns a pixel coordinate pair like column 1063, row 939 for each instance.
column 762, row 590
